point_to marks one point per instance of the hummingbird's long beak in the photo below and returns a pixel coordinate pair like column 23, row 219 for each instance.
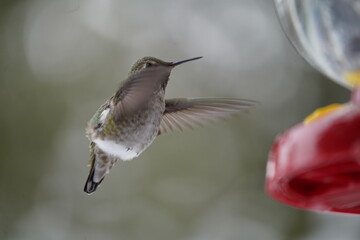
column 184, row 61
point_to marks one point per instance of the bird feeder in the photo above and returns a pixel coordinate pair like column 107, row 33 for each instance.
column 315, row 165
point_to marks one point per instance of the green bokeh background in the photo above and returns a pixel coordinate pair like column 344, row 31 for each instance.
column 59, row 61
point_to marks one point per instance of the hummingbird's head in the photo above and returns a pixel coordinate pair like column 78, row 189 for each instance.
column 148, row 62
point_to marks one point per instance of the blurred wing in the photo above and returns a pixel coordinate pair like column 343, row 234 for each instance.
column 138, row 89
column 185, row 113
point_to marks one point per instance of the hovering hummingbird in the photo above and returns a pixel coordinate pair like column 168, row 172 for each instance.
column 127, row 123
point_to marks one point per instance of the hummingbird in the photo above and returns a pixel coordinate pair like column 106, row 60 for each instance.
column 129, row 121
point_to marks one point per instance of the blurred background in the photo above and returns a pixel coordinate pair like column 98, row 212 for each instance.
column 60, row 60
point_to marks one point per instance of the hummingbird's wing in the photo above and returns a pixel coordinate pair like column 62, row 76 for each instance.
column 183, row 113
column 138, row 89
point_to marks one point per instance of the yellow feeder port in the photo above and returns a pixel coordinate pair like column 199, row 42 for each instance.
column 321, row 112
column 353, row 78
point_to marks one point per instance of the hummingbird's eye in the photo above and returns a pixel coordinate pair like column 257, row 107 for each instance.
column 149, row 64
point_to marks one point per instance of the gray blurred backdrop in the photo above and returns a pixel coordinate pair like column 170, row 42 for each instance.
column 59, row 60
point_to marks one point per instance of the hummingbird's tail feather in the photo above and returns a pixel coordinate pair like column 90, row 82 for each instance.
column 91, row 184
column 101, row 163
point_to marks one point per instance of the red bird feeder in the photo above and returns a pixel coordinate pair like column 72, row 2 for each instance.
column 315, row 165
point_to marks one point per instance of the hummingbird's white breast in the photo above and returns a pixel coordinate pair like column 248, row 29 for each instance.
column 117, row 149
column 112, row 147
column 140, row 131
